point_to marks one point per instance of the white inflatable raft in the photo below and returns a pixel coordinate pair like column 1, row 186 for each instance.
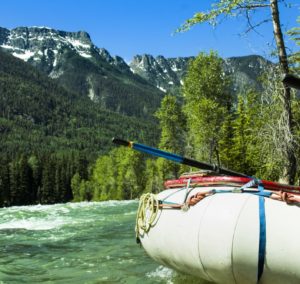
column 221, row 237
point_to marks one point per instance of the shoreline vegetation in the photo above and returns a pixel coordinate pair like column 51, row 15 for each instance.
column 55, row 141
column 208, row 123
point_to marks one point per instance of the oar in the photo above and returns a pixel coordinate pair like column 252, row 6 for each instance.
column 175, row 157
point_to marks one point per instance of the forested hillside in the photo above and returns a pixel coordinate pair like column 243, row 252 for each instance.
column 39, row 115
column 48, row 134
column 60, row 109
column 77, row 64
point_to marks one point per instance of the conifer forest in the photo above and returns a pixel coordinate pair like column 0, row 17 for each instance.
column 56, row 143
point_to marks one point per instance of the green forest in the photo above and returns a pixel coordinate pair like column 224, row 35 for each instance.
column 56, row 144
column 48, row 134
column 235, row 133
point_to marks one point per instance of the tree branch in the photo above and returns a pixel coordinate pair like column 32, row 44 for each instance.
column 253, row 27
column 253, row 6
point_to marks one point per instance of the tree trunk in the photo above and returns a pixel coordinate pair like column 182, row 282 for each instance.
column 289, row 148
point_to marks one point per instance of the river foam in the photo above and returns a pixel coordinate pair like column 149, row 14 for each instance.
column 34, row 224
column 86, row 242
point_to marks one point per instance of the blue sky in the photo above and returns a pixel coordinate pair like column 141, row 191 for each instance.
column 130, row 27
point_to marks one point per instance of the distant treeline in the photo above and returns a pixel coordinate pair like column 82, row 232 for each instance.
column 58, row 178
column 39, row 179
column 49, row 134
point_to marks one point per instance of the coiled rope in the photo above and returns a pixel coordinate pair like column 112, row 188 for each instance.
column 146, row 213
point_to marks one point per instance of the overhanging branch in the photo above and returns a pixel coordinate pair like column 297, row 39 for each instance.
column 252, row 6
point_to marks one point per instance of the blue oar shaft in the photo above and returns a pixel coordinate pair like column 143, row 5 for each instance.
column 175, row 158
column 157, row 152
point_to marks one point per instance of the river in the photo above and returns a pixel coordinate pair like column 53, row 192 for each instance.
column 87, row 242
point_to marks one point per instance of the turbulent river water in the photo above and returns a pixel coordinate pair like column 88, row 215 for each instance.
column 88, row 242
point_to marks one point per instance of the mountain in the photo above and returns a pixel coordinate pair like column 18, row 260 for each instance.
column 75, row 87
column 37, row 115
column 62, row 99
column 77, row 64
column 247, row 71
column 167, row 73
column 136, row 89
column 164, row 73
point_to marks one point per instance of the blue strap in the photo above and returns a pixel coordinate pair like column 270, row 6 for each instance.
column 260, row 193
column 262, row 233
column 262, row 220
column 251, row 183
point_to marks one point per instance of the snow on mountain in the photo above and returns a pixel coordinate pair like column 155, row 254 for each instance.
column 164, row 73
column 167, row 74
column 51, row 51
column 44, row 47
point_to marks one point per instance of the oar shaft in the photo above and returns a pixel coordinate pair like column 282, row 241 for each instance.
column 157, row 152
column 175, row 158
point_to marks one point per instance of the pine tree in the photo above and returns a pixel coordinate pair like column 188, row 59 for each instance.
column 172, row 123
column 58, row 186
column 82, row 166
column 153, row 181
column 240, row 136
column 4, row 183
column 25, row 182
column 103, row 178
column 247, row 8
column 207, row 105
column 85, row 191
column 15, row 195
column 75, row 185
column 48, row 184
column 129, row 173
column 226, row 143
column 36, row 170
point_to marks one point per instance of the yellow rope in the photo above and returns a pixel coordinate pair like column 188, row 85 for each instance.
column 146, row 214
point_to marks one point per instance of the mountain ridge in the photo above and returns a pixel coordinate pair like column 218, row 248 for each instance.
column 50, row 50
column 167, row 74
column 77, row 64
column 38, row 115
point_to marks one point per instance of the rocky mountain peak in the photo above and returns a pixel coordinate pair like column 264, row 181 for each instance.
column 82, row 36
column 116, row 61
column 42, row 46
column 144, row 61
column 68, row 55
column 46, row 48
column 121, row 64
column 164, row 73
column 247, row 70
column 106, row 55
column 167, row 73
column 4, row 33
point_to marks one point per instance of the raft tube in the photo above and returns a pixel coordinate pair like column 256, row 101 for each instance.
column 218, row 238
